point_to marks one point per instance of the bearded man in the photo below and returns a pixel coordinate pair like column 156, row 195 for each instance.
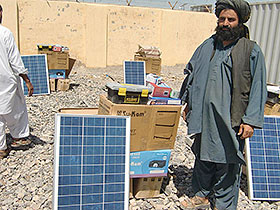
column 225, row 92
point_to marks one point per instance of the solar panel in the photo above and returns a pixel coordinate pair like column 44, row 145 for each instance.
column 37, row 73
column 134, row 72
column 91, row 162
column 263, row 161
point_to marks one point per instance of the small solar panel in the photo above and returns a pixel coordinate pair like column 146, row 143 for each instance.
column 91, row 162
column 134, row 72
column 263, row 161
column 37, row 73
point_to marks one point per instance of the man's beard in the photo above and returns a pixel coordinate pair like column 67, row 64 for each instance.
column 229, row 35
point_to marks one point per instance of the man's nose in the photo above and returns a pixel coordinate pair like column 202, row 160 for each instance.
column 226, row 22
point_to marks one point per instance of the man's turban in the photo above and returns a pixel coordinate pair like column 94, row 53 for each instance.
column 241, row 7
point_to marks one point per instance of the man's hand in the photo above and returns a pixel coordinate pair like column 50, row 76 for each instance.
column 28, row 84
column 30, row 88
column 185, row 111
column 246, row 131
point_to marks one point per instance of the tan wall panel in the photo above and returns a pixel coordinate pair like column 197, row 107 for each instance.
column 102, row 35
column 128, row 27
column 51, row 22
column 10, row 16
column 96, row 36
column 182, row 32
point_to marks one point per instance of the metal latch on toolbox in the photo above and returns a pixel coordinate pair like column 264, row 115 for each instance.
column 122, row 91
column 145, row 93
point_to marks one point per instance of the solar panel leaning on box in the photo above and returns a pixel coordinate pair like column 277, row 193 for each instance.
column 263, row 161
column 37, row 73
column 91, row 169
column 134, row 72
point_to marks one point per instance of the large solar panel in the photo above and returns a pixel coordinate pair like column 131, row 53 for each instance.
column 91, row 162
column 263, row 161
column 134, row 72
column 37, row 73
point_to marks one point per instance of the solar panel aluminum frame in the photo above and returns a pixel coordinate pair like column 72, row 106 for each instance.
column 144, row 66
column 56, row 155
column 47, row 75
column 249, row 172
column 249, row 169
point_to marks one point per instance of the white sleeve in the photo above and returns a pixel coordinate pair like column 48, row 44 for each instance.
column 13, row 54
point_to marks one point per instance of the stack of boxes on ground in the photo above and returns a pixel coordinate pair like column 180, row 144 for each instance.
column 154, row 123
column 162, row 94
column 58, row 65
column 272, row 106
column 151, row 56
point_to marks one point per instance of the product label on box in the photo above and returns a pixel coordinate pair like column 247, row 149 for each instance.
column 131, row 114
column 149, row 163
column 164, row 101
column 57, row 73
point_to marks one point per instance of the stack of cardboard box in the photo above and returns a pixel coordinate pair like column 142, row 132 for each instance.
column 58, row 65
column 152, row 136
column 161, row 94
column 153, row 128
column 151, row 56
column 272, row 106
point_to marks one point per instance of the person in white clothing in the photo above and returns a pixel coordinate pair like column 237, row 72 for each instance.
column 13, row 110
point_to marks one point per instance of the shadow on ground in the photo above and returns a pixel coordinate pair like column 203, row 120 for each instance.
column 244, row 184
column 73, row 85
column 182, row 178
column 34, row 141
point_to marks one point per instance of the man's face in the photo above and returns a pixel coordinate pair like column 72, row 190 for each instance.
column 228, row 27
column 228, row 18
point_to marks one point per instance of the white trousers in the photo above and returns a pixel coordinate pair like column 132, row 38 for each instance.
column 17, row 123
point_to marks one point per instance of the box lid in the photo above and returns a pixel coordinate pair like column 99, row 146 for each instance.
column 128, row 87
column 79, row 110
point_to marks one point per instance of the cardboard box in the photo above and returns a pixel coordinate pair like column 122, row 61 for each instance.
column 161, row 90
column 153, row 65
column 63, row 84
column 57, row 60
column 52, row 84
column 130, row 188
column 164, row 101
column 147, row 187
column 152, row 127
column 71, row 64
column 57, row 73
column 153, row 78
column 272, row 109
column 174, row 94
column 149, row 163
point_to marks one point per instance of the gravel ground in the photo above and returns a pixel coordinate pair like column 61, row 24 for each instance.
column 26, row 175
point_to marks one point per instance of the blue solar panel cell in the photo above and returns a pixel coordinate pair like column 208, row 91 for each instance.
column 37, row 73
column 263, row 161
column 91, row 162
column 134, row 72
